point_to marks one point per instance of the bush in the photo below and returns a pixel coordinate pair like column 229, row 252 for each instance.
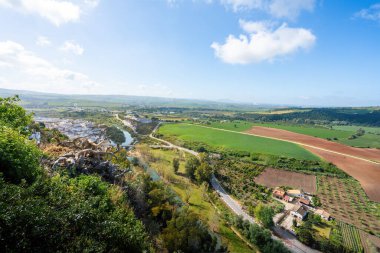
column 13, row 115
column 68, row 215
column 19, row 157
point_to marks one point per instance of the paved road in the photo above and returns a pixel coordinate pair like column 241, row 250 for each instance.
column 294, row 142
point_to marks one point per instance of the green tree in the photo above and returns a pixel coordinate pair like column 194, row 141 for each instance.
column 202, row 173
column 186, row 233
column 191, row 165
column 13, row 115
column 115, row 134
column 175, row 165
column 19, row 157
column 264, row 214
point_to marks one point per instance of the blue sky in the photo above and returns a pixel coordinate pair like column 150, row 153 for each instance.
column 300, row 52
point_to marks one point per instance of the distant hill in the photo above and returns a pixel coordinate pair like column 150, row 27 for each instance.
column 39, row 99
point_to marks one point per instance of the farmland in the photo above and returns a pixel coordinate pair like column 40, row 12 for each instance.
column 234, row 141
column 340, row 134
column 316, row 131
column 272, row 178
column 350, row 237
column 346, row 201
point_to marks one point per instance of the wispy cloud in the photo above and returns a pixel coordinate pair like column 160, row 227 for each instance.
column 43, row 41
column 57, row 12
column 371, row 13
column 289, row 9
column 22, row 64
column 72, row 47
column 263, row 42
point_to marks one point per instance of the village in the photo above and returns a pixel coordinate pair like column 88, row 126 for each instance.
column 298, row 204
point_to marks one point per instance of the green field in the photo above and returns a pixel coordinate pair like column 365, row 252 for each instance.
column 316, row 131
column 372, row 130
column 235, row 141
column 339, row 134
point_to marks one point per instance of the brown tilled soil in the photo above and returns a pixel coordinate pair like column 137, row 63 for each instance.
column 370, row 154
column 273, row 178
column 367, row 173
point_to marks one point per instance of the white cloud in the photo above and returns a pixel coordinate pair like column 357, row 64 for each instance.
column 92, row 3
column 26, row 70
column 43, row 41
column 72, row 47
column 372, row 13
column 238, row 5
column 277, row 8
column 57, row 12
column 290, row 8
column 263, row 43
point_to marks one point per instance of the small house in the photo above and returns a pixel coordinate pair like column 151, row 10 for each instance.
column 295, row 193
column 324, row 215
column 299, row 212
column 288, row 199
column 304, row 201
column 278, row 193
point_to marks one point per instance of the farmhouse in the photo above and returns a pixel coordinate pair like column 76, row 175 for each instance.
column 304, row 201
column 288, row 199
column 324, row 215
column 278, row 193
column 299, row 212
column 295, row 193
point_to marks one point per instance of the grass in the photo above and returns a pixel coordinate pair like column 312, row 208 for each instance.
column 365, row 141
column 373, row 130
column 323, row 231
column 161, row 161
column 235, row 141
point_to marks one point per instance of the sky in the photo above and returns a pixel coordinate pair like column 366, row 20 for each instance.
column 294, row 52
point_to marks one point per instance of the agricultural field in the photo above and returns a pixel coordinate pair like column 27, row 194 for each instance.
column 272, row 178
column 316, row 131
column 346, row 201
column 223, row 140
column 237, row 177
column 340, row 134
column 349, row 236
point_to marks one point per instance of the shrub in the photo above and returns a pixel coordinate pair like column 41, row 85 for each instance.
column 19, row 157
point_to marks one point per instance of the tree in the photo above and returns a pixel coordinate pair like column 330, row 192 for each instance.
column 264, row 214
column 13, row 115
column 115, row 135
column 190, row 166
column 175, row 165
column 19, row 157
column 186, row 233
column 202, row 173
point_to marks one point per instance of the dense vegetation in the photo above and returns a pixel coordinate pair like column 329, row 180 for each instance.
column 66, row 211
column 259, row 236
column 115, row 134
column 320, row 116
